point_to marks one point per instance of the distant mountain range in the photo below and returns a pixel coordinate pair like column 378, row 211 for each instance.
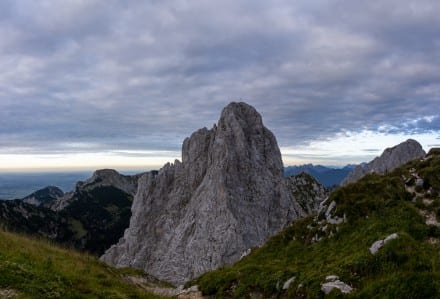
column 327, row 176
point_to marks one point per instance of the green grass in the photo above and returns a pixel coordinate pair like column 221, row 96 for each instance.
column 77, row 227
column 37, row 269
column 375, row 207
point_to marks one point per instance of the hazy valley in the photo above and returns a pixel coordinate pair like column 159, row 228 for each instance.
column 20, row 184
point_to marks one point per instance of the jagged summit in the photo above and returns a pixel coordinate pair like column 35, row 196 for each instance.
column 390, row 159
column 227, row 195
column 242, row 124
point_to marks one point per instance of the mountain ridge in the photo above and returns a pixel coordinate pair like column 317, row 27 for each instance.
column 390, row 159
column 328, row 176
column 44, row 197
column 91, row 217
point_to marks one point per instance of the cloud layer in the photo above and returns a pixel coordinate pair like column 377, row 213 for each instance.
column 106, row 75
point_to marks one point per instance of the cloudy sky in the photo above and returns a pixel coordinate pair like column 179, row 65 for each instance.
column 106, row 83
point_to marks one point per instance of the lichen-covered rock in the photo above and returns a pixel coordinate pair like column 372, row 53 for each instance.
column 390, row 159
column 227, row 195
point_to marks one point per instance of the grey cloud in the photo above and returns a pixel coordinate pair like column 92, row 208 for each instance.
column 144, row 75
column 432, row 123
column 372, row 150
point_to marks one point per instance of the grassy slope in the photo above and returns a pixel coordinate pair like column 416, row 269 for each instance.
column 375, row 207
column 36, row 269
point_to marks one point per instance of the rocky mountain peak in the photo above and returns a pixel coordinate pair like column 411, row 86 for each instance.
column 409, row 146
column 241, row 128
column 226, row 196
column 307, row 191
column 44, row 197
column 100, row 178
column 241, row 116
column 390, row 159
column 110, row 177
column 105, row 173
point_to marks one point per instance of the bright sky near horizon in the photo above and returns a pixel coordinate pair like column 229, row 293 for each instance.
column 120, row 84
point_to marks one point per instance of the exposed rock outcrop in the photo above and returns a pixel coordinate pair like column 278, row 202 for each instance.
column 333, row 282
column 44, row 197
column 390, row 159
column 227, row 195
column 307, row 191
column 288, row 282
column 380, row 243
column 328, row 210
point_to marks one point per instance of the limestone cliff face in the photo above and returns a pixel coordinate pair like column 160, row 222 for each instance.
column 390, row 159
column 227, row 195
